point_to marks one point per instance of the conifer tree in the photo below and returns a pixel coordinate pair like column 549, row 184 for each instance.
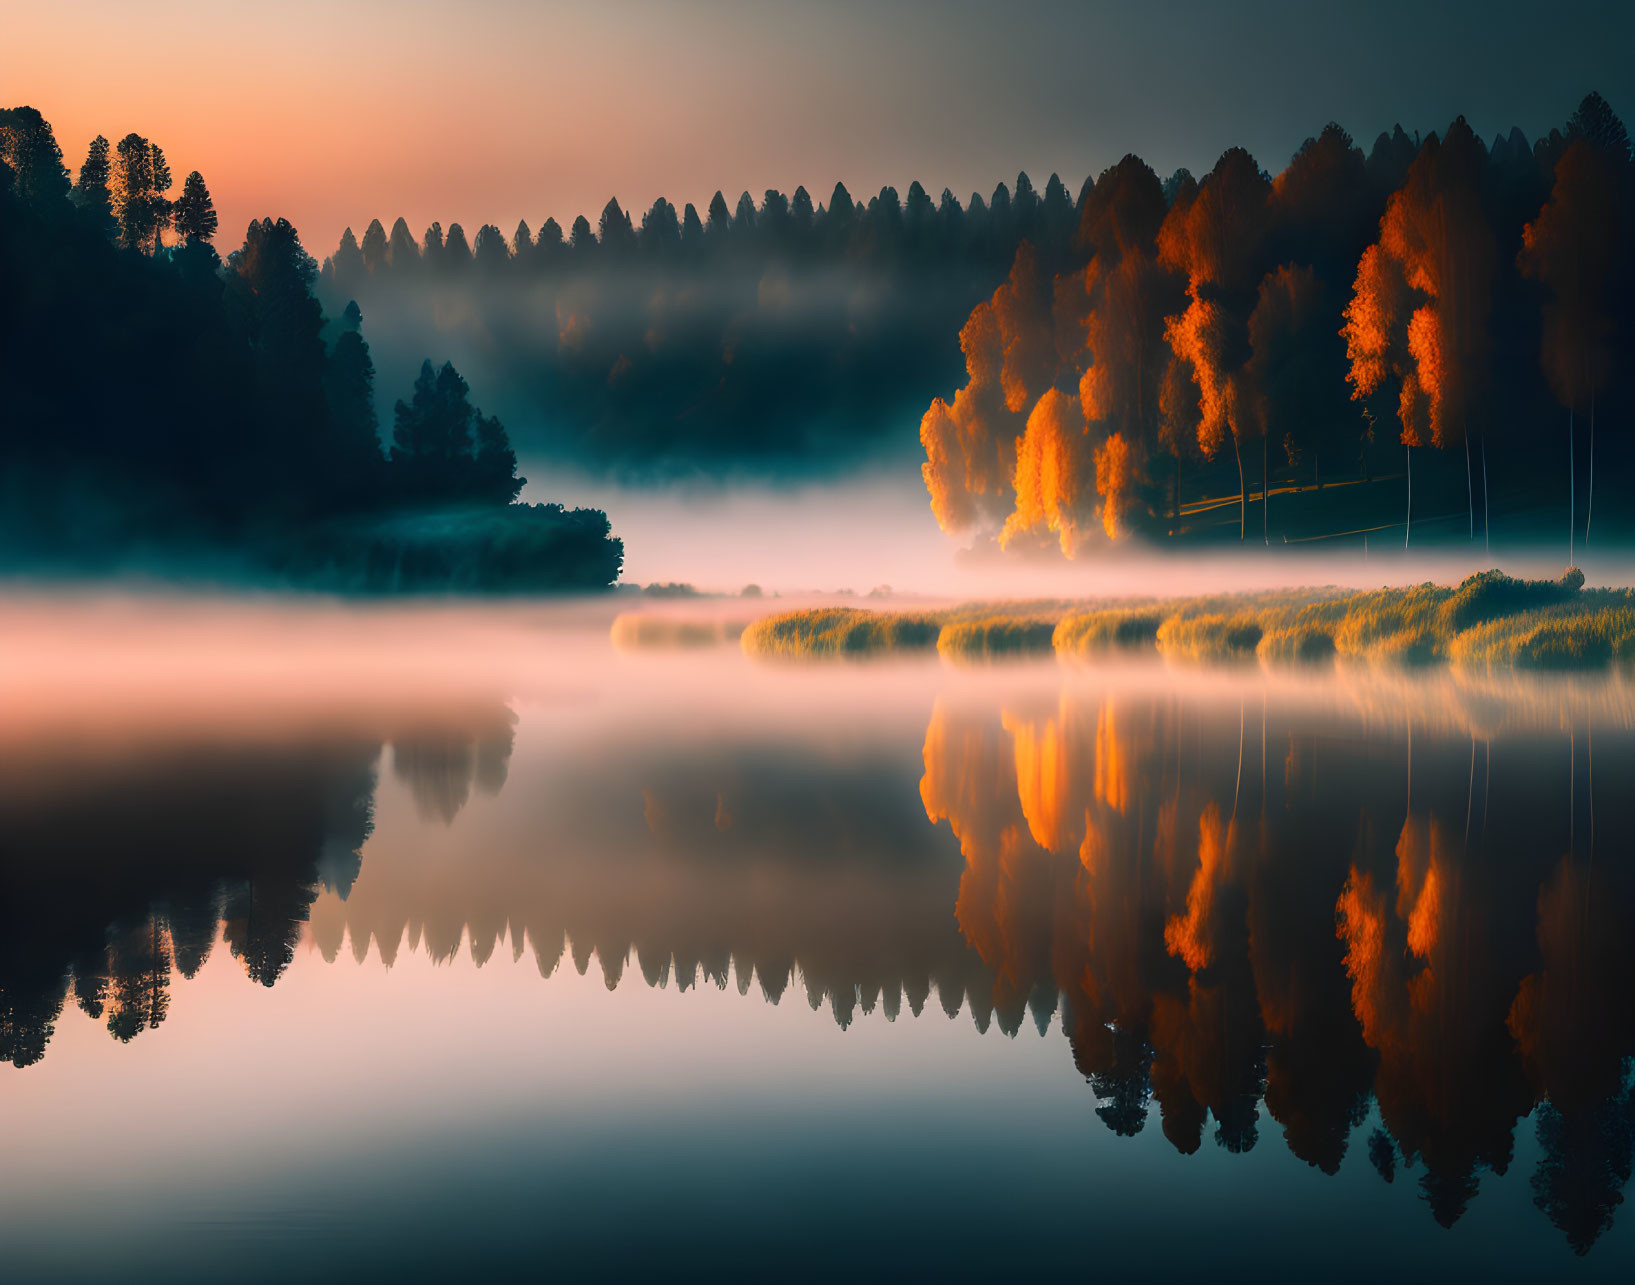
column 91, row 193
column 195, row 214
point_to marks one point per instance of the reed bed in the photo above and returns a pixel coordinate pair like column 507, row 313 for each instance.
column 1489, row 620
column 996, row 638
column 841, row 631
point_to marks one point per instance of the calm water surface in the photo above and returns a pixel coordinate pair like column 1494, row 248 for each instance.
column 402, row 944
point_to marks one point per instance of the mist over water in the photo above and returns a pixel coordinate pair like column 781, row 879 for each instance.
column 519, row 939
column 869, row 531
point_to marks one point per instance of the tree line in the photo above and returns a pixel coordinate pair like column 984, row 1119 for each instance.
column 885, row 227
column 1426, row 303
column 768, row 336
column 162, row 398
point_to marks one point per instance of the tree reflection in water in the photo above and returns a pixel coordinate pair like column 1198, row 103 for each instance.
column 1252, row 916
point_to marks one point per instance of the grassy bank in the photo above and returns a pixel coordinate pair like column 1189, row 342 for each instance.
column 1489, row 621
column 841, row 631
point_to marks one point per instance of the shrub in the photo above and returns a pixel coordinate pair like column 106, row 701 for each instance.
column 1217, row 636
column 995, row 637
column 840, row 631
column 1086, row 632
column 513, row 548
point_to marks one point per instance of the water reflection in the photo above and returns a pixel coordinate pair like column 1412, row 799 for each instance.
column 1269, row 911
column 122, row 865
column 1261, row 913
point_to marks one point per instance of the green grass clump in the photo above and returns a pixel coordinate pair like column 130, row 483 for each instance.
column 995, row 637
column 840, row 631
column 1300, row 643
column 1215, row 636
column 1392, row 625
column 1596, row 629
column 1087, row 632
column 1491, row 594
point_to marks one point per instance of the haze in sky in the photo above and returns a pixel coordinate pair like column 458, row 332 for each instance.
column 331, row 114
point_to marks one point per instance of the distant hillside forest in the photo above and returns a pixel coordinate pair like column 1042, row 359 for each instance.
column 167, row 409
column 1429, row 339
column 772, row 338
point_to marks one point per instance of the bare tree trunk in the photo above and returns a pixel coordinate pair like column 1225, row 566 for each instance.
column 1175, row 503
column 1470, row 491
column 1487, row 531
column 1243, row 489
column 1589, row 505
column 1265, row 491
column 1408, row 527
column 1572, row 493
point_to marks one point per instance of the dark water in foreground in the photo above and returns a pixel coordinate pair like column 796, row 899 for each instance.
column 592, row 964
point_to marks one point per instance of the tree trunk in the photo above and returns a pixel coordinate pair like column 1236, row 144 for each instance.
column 1243, row 489
column 1408, row 526
column 1265, row 491
column 1589, row 504
column 1487, row 530
column 1470, row 491
column 1175, row 502
column 1572, row 492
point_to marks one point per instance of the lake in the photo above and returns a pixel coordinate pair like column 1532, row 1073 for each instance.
column 366, row 942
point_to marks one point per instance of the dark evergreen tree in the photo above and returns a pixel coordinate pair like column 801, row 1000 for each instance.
column 1597, row 124
column 743, row 219
column 522, row 244
column 718, row 222
column 349, row 391
column 613, row 230
column 136, row 197
column 661, row 232
column 692, row 229
column 492, row 255
column 195, row 217
column 28, row 146
column 456, row 250
column 374, row 247
column 401, row 251
column 163, row 211
column 801, row 213
column 431, row 247
column 548, row 249
column 346, row 265
column 494, row 475
column 92, row 193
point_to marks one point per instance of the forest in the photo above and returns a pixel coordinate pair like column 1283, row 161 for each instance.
column 1416, row 340
column 1418, row 343
column 1446, row 311
column 170, row 410
column 767, row 340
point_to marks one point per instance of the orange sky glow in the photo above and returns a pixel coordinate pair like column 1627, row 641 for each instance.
column 333, row 113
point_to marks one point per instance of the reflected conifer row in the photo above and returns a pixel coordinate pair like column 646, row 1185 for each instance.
column 1249, row 917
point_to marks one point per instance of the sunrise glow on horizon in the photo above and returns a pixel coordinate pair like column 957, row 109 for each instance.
column 334, row 114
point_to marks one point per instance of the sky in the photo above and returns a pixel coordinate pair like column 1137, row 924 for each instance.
column 334, row 113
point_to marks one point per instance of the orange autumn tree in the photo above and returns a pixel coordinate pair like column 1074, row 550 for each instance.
column 1019, row 456
column 970, row 446
column 1218, row 240
column 1421, row 301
